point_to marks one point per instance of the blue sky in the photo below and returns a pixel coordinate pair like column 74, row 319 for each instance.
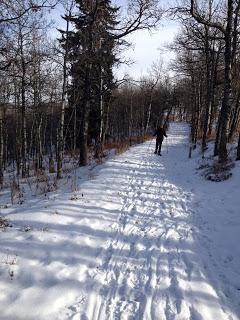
column 148, row 48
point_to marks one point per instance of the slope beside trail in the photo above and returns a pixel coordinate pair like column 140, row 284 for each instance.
column 142, row 241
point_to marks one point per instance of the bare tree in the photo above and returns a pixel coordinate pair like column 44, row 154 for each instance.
column 229, row 31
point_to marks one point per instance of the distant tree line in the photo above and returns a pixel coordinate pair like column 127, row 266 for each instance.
column 59, row 96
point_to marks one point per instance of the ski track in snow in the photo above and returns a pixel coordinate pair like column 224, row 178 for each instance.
column 141, row 256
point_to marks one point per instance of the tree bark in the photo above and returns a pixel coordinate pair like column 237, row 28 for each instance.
column 226, row 107
column 83, row 159
column 1, row 146
column 238, row 148
column 63, row 107
column 235, row 118
column 23, row 117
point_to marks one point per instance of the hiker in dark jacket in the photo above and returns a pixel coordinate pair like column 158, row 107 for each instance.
column 160, row 133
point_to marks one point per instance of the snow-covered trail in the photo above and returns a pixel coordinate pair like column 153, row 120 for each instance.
column 150, row 268
column 131, row 246
column 140, row 269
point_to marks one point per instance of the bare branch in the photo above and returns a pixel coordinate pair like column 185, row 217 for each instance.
column 195, row 14
column 24, row 10
column 142, row 14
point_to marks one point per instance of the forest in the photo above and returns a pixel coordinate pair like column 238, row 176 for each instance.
column 59, row 97
column 119, row 191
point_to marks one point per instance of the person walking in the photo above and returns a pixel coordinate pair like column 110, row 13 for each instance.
column 160, row 133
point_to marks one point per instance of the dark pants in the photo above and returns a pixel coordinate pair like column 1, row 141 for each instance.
column 158, row 146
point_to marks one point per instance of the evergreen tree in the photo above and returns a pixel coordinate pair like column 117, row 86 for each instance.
column 92, row 56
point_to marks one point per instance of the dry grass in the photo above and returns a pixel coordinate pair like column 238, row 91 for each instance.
column 4, row 223
column 45, row 184
column 123, row 146
column 16, row 193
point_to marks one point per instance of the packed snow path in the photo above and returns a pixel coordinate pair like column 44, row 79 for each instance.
column 131, row 245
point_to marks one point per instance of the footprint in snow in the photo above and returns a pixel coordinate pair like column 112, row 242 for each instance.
column 195, row 315
column 228, row 259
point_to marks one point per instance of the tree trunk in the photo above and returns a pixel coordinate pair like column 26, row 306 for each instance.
column 217, row 140
column 106, row 121
column 40, row 151
column 63, row 107
column 214, row 80
column 226, row 107
column 238, row 148
column 99, row 140
column 1, row 145
column 23, row 129
column 235, row 118
column 208, row 91
column 74, row 130
column 23, row 113
column 83, row 159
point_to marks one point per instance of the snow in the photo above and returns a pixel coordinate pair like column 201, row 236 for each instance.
column 143, row 237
